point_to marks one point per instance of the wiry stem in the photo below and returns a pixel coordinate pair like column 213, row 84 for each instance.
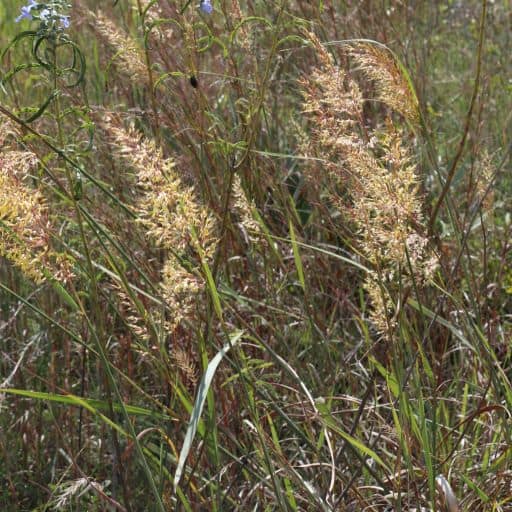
column 469, row 116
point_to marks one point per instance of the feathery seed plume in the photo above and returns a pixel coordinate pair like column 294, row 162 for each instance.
column 173, row 217
column 25, row 228
column 374, row 175
column 393, row 89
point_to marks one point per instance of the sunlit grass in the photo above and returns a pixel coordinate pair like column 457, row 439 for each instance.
column 255, row 259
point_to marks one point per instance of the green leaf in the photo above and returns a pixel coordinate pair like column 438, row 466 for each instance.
column 91, row 404
column 202, row 393
column 358, row 445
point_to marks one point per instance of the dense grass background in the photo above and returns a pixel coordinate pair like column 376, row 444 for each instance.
column 209, row 296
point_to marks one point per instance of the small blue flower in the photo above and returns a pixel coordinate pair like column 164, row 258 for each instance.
column 64, row 21
column 45, row 14
column 48, row 16
column 25, row 11
column 206, row 6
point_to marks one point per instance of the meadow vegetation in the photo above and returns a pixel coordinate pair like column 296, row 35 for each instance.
column 255, row 255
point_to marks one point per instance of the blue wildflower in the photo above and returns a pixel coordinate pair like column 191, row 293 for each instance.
column 25, row 11
column 64, row 21
column 48, row 16
column 45, row 14
column 206, row 6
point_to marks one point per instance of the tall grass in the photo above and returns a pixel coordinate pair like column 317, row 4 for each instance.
column 255, row 259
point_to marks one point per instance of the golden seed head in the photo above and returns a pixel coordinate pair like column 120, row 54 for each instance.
column 127, row 54
column 173, row 217
column 25, row 227
column 371, row 173
column 392, row 86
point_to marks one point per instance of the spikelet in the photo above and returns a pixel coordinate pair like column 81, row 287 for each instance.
column 7, row 131
column 127, row 55
column 243, row 209
column 392, row 87
column 185, row 363
column 382, row 312
column 181, row 290
column 67, row 493
column 325, row 58
column 24, row 221
column 485, row 175
column 173, row 218
column 136, row 321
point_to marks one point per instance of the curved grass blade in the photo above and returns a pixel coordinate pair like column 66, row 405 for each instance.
column 202, row 393
column 89, row 403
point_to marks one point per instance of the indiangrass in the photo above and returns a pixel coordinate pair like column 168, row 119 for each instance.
column 255, row 255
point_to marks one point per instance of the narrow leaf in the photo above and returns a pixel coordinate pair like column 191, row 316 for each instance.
column 202, row 393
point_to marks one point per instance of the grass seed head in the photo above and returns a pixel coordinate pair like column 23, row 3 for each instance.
column 392, row 86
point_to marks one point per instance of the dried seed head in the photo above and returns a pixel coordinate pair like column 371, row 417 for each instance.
column 25, row 227
column 393, row 88
column 243, row 208
column 172, row 216
column 371, row 173
column 127, row 55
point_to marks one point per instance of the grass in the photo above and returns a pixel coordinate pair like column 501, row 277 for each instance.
column 256, row 260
